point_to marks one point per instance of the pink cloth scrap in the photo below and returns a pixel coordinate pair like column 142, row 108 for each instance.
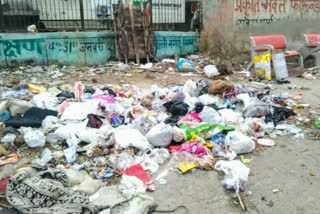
column 194, row 149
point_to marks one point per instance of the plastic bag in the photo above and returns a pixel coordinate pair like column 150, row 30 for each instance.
column 46, row 156
column 179, row 135
column 126, row 137
column 209, row 115
column 122, row 161
column 186, row 66
column 71, row 154
column 263, row 66
column 190, row 88
column 258, row 110
column 207, row 99
column 211, row 71
column 18, row 107
column 237, row 175
column 239, row 143
column 160, row 135
column 144, row 123
column 8, row 138
column 49, row 123
column 45, row 101
column 35, row 139
column 280, row 66
column 131, row 186
column 231, row 117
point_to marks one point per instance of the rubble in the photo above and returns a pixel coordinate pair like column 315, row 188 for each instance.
column 107, row 138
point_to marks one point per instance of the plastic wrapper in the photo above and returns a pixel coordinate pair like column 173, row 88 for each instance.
column 263, row 66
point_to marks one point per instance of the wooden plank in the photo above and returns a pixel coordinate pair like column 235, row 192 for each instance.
column 144, row 34
column 134, row 34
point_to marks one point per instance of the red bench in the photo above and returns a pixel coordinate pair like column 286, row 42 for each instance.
column 261, row 45
column 312, row 44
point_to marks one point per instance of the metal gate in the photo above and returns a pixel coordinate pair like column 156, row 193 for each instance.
column 85, row 15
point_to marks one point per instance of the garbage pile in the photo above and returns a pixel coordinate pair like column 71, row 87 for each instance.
column 100, row 146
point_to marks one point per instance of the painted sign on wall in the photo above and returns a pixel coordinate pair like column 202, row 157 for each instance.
column 259, row 12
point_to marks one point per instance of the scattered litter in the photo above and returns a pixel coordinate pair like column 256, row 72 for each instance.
column 12, row 158
column 211, row 71
column 100, row 140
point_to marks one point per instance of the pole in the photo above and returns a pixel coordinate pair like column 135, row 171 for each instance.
column 81, row 14
column 1, row 17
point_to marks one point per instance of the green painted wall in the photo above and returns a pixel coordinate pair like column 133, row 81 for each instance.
column 82, row 48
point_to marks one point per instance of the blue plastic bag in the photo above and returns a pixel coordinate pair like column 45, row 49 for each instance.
column 186, row 66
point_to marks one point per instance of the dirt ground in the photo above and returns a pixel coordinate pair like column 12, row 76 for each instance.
column 286, row 166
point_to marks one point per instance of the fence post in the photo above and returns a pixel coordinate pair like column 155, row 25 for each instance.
column 1, row 16
column 81, row 14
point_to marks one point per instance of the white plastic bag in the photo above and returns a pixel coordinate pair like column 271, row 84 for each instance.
column 45, row 101
column 211, row 71
column 126, row 137
column 230, row 117
column 35, row 139
column 131, row 186
column 71, row 154
column 207, row 99
column 239, row 143
column 190, row 88
column 8, row 138
column 122, row 161
column 160, row 135
column 46, row 156
column 179, row 135
column 209, row 115
column 49, row 123
column 237, row 174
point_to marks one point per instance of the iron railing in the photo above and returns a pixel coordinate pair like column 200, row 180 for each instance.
column 82, row 15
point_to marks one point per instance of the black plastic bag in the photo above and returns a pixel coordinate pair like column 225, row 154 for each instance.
column 177, row 108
